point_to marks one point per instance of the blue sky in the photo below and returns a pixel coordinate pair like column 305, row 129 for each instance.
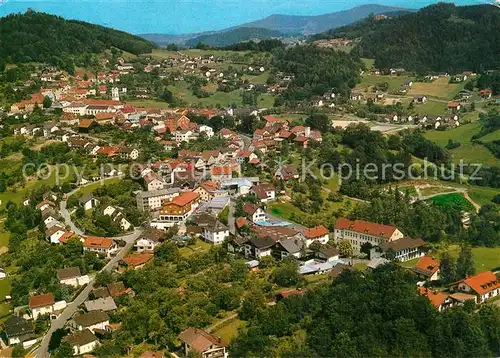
column 185, row 16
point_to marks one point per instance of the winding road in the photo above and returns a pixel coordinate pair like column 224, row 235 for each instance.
column 42, row 351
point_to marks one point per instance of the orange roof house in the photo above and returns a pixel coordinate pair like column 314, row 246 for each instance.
column 41, row 301
column 427, row 267
column 437, row 299
column 137, row 260
column 366, row 227
column 181, row 204
column 485, row 285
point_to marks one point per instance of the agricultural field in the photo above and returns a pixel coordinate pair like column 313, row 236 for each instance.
column 469, row 152
column 439, row 88
column 430, row 108
column 368, row 81
column 451, row 200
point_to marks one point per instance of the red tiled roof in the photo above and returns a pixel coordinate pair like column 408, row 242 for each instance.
column 41, row 300
column 42, row 203
column 453, row 105
column 427, row 265
column 315, row 232
column 483, row 282
column 66, row 237
column 221, row 170
column 85, row 123
column 365, row 227
column 138, row 259
column 240, row 222
column 98, row 242
column 199, row 340
column 436, row 298
column 184, row 198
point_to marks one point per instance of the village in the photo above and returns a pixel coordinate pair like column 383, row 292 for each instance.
column 227, row 193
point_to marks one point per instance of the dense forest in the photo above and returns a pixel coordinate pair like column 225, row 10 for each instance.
column 231, row 37
column 316, row 71
column 39, row 37
column 378, row 315
column 441, row 37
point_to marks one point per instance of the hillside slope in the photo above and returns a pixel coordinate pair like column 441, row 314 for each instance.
column 39, row 37
column 287, row 25
column 234, row 36
column 440, row 38
column 307, row 25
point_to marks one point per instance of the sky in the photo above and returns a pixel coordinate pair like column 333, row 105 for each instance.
column 187, row 16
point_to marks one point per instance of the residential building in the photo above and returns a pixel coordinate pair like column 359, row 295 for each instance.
column 358, row 232
column 149, row 240
column 401, row 250
column 427, row 268
column 82, row 342
column 287, row 172
column 438, row 299
column 41, row 304
column 18, row 330
column 136, row 261
column 154, row 199
column 216, row 233
column 318, row 234
column 177, row 210
column 88, row 201
column 288, row 247
column 201, row 343
column 91, row 321
column 71, row 276
column 264, row 192
column 154, row 182
column 100, row 245
column 484, row 285
column 259, row 247
column 102, row 303
column 254, row 213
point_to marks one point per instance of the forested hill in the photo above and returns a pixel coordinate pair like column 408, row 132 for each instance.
column 39, row 37
column 230, row 37
column 440, row 37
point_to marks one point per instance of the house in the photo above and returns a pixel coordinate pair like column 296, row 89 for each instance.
column 18, row 330
column 154, row 199
column 439, row 300
column 454, row 106
column 129, row 153
column 485, row 93
column 71, row 276
column 55, row 233
column 289, row 247
column 259, row 247
column 100, row 245
column 376, row 262
column 401, row 250
column 216, row 233
column 136, row 261
column 358, row 232
column 45, row 204
column 254, row 213
column 103, row 303
column 264, row 192
column 201, row 343
column 82, row 342
column 484, row 285
column 287, row 172
column 117, row 217
column 420, row 98
column 177, row 210
column 427, row 268
column 154, row 182
column 117, row 289
column 91, row 321
column 88, row 201
column 327, row 253
column 149, row 240
column 41, row 304
column 313, row 267
column 318, row 234
column 337, row 270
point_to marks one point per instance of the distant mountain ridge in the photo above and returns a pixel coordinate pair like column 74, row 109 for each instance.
column 282, row 25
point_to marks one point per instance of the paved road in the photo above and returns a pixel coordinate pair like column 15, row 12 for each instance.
column 42, row 351
column 231, row 221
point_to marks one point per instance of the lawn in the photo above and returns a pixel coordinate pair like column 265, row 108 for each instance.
column 468, row 152
column 284, row 209
column 485, row 258
column 482, row 195
column 200, row 246
column 91, row 187
column 4, row 288
column 491, row 136
column 410, row 263
column 227, row 332
column 430, row 108
column 265, row 100
column 148, row 103
column 394, row 82
column 368, row 62
column 181, row 90
column 452, row 200
column 4, row 236
column 260, row 79
column 439, row 88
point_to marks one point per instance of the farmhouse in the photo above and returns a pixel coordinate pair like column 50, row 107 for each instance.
column 484, row 285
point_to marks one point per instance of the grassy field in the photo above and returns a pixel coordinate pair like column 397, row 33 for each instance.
column 227, row 332
column 368, row 62
column 491, row 136
column 260, row 79
column 485, row 258
column 469, row 152
column 91, row 187
column 394, row 82
column 4, row 236
column 148, row 103
column 200, row 246
column 182, row 91
column 482, row 195
column 451, row 200
column 4, row 288
column 440, row 88
column 430, row 108
column 434, row 190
